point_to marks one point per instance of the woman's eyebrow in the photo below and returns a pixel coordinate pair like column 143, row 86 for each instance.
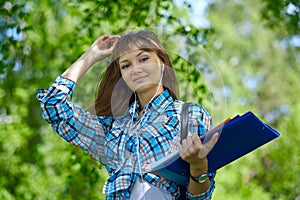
column 137, row 55
column 140, row 52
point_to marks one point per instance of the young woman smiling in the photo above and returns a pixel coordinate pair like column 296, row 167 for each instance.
column 135, row 121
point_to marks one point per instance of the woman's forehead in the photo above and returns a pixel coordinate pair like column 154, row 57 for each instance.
column 131, row 52
column 130, row 43
column 135, row 51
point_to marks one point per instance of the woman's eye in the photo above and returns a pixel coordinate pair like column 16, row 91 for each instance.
column 124, row 66
column 143, row 59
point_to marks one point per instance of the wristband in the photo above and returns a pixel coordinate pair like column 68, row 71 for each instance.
column 200, row 179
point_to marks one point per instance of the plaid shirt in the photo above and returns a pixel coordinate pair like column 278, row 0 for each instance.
column 124, row 146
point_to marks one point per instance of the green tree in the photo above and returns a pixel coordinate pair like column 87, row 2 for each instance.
column 282, row 15
column 39, row 40
column 258, row 65
column 260, row 74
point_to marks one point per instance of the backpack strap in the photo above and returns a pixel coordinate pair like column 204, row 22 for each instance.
column 184, row 121
column 183, row 135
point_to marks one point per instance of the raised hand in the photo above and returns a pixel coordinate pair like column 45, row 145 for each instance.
column 102, row 47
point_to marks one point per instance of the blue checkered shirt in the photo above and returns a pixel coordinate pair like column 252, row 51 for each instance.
column 124, row 146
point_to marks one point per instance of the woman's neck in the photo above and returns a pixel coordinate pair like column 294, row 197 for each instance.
column 146, row 97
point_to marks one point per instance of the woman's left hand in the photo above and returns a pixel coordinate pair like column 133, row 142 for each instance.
column 194, row 151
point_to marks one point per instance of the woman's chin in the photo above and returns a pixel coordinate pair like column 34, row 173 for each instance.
column 146, row 87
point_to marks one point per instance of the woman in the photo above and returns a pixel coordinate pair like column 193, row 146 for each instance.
column 135, row 121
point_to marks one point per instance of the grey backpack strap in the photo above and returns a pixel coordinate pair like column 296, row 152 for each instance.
column 184, row 121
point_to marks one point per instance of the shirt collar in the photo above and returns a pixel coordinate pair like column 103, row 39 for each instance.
column 159, row 103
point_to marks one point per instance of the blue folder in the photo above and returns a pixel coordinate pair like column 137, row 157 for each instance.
column 238, row 137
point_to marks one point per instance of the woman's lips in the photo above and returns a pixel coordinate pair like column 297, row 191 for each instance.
column 139, row 79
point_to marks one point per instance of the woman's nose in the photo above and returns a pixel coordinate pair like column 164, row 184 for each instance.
column 136, row 68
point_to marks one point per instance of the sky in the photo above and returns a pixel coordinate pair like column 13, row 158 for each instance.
column 198, row 11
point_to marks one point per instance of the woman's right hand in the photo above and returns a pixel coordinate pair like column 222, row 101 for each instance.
column 102, row 47
column 99, row 50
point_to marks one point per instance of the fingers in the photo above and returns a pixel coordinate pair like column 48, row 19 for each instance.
column 103, row 46
column 108, row 37
column 107, row 41
column 209, row 145
column 190, row 149
column 212, row 141
column 103, row 38
column 112, row 41
column 190, row 146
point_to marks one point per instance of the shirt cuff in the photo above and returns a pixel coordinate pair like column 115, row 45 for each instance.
column 202, row 196
column 205, row 195
column 61, row 83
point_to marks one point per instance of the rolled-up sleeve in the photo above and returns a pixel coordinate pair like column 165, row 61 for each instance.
column 205, row 195
column 73, row 124
column 200, row 118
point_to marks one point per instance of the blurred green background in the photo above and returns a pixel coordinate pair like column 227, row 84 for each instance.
column 249, row 61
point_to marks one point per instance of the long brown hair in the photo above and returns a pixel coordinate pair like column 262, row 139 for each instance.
column 113, row 95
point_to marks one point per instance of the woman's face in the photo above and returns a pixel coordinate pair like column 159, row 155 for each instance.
column 141, row 70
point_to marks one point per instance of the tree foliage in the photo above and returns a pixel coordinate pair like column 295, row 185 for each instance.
column 260, row 74
column 286, row 14
column 40, row 39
